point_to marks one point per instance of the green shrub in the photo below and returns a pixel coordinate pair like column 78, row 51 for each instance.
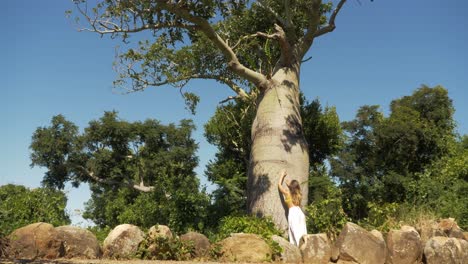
column 326, row 215
column 163, row 248
column 382, row 217
column 20, row 206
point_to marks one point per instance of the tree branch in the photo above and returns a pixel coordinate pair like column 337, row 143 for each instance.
column 204, row 26
column 313, row 30
column 331, row 22
column 130, row 184
column 282, row 21
column 280, row 36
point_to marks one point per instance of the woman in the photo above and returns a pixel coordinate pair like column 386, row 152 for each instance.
column 296, row 218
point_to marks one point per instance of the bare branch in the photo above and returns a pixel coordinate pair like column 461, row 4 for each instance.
column 129, row 184
column 229, row 98
column 313, row 30
column 280, row 36
column 331, row 22
column 204, row 26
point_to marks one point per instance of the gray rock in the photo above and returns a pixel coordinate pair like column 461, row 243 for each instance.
column 123, row 241
column 356, row 244
column 200, row 242
column 245, row 248
column 446, row 250
column 315, row 248
column 36, row 241
column 79, row 242
column 291, row 253
column 404, row 246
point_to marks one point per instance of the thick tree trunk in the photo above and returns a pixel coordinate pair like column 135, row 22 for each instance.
column 277, row 143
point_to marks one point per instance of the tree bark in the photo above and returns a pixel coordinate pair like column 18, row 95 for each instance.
column 277, row 143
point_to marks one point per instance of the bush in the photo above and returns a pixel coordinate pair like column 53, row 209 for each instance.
column 21, row 206
column 4, row 246
column 163, row 248
column 326, row 215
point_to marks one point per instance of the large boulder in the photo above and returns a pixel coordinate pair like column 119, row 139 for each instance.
column 123, row 241
column 404, row 246
column 79, row 242
column 290, row 253
column 199, row 241
column 36, row 241
column 356, row 244
column 244, row 248
column 448, row 227
column 315, row 248
column 159, row 231
column 447, row 250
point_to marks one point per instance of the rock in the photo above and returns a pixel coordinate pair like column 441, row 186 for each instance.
column 426, row 230
column 448, row 227
column 447, row 250
column 345, row 262
column 315, row 248
column 291, row 253
column 356, row 244
column 79, row 242
column 404, row 246
column 123, row 241
column 200, row 242
column 465, row 235
column 36, row 241
column 245, row 248
column 159, row 231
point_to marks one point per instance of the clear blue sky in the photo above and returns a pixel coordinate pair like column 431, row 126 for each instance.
column 380, row 51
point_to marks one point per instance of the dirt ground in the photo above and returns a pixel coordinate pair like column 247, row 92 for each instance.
column 109, row 261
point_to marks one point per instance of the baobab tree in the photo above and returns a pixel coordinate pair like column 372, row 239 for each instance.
column 255, row 48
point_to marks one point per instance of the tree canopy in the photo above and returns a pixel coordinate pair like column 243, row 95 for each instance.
column 121, row 160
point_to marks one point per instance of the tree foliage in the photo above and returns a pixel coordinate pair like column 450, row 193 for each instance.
column 231, row 42
column 382, row 155
column 139, row 172
column 20, row 206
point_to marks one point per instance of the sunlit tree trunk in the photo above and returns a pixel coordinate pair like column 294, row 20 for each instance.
column 277, row 143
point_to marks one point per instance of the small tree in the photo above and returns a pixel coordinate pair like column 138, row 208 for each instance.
column 140, row 172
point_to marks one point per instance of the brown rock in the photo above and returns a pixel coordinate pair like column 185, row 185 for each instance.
column 159, row 231
column 448, row 227
column 291, row 253
column 356, row 244
column 79, row 242
column 200, row 242
column 245, row 248
column 315, row 248
column 446, row 250
column 404, row 246
column 465, row 235
column 37, row 240
column 123, row 241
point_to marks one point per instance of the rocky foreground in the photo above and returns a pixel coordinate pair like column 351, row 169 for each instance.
column 436, row 243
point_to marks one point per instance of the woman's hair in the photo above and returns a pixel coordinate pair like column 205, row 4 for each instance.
column 295, row 190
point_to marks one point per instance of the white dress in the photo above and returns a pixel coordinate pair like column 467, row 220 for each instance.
column 297, row 225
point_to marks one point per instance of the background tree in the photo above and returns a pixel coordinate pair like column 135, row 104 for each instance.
column 140, row 172
column 259, row 45
column 383, row 155
column 20, row 206
column 229, row 130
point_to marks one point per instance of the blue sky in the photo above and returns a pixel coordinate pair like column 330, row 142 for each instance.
column 380, row 51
